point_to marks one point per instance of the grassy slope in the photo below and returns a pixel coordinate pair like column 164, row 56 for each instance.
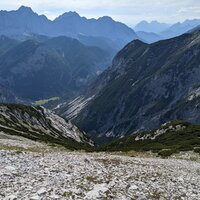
column 165, row 144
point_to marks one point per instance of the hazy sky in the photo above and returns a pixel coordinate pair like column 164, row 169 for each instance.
column 127, row 11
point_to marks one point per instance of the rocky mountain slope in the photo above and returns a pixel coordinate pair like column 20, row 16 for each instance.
column 42, row 125
column 51, row 68
column 146, row 86
column 25, row 21
column 73, row 175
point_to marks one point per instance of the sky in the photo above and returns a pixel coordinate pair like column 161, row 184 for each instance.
column 127, row 11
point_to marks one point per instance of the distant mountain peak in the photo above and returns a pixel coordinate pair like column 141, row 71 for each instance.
column 69, row 24
column 106, row 18
column 25, row 9
column 150, row 22
column 154, row 21
column 181, row 28
column 70, row 14
column 143, row 22
column 152, row 26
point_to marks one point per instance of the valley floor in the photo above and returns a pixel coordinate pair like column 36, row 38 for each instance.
column 40, row 173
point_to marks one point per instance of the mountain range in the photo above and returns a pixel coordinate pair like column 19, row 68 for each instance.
column 64, row 62
column 154, row 31
column 180, row 28
column 103, row 32
column 25, row 21
column 153, row 26
column 67, row 52
column 151, row 80
column 147, row 85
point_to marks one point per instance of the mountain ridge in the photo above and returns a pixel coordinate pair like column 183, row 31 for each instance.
column 69, row 24
column 38, row 123
column 147, row 85
column 64, row 62
column 153, row 26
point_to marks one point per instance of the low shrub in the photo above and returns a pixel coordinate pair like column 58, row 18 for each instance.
column 166, row 152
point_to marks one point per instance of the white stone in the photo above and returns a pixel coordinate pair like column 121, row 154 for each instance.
column 10, row 168
column 41, row 191
column 133, row 187
column 35, row 197
column 12, row 197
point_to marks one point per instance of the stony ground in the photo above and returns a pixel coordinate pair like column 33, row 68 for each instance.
column 37, row 175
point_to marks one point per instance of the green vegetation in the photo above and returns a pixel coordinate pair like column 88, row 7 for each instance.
column 167, row 152
column 197, row 150
column 46, row 134
column 171, row 137
column 45, row 101
column 173, row 141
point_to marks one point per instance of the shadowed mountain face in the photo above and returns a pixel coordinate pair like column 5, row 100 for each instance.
column 36, row 70
column 51, row 64
column 25, row 21
column 6, row 44
column 6, row 96
column 149, row 37
column 146, row 86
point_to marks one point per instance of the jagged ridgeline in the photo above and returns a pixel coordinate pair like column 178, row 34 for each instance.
column 40, row 124
column 147, row 85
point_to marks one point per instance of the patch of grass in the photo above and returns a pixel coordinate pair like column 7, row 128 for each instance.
column 45, row 101
column 67, row 194
column 155, row 195
column 18, row 150
column 94, row 180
